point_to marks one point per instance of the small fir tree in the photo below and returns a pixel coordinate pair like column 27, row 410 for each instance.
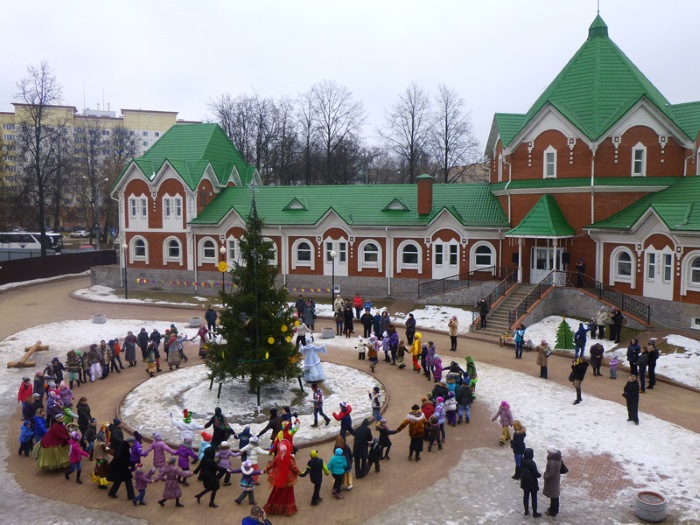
column 256, row 323
column 565, row 336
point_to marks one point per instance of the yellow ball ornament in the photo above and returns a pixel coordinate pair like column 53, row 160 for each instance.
column 284, row 328
column 296, row 323
column 271, row 340
column 288, row 338
column 267, row 355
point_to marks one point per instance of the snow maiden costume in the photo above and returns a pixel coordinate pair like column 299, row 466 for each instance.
column 313, row 371
column 283, row 473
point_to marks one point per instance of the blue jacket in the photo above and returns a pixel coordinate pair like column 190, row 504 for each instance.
column 580, row 336
column 26, row 433
column 337, row 464
column 39, row 427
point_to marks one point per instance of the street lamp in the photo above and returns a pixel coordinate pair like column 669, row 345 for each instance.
column 125, row 249
column 96, row 203
column 333, row 255
column 223, row 267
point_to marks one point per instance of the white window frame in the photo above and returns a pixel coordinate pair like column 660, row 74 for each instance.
column 362, row 263
column 473, row 255
column 639, row 147
column 649, row 265
column 615, row 275
column 453, row 247
column 275, row 258
column 138, row 207
column 500, row 168
column 400, row 265
column 172, row 208
column 295, row 259
column 687, row 283
column 667, row 267
column 202, row 250
column 167, row 258
column 133, row 255
column 546, row 164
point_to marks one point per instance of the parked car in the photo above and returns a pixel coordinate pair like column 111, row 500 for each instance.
column 79, row 234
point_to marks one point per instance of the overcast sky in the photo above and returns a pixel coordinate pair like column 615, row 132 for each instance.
column 178, row 55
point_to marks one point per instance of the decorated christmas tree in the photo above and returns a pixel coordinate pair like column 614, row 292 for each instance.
column 565, row 336
column 256, row 323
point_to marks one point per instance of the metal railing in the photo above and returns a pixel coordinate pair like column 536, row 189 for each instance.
column 582, row 282
column 498, row 291
column 463, row 280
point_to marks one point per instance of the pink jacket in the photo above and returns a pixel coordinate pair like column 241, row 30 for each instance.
column 76, row 452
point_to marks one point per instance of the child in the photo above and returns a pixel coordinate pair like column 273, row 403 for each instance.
column 400, row 353
column 440, row 414
column 345, row 419
column 361, row 348
column 89, row 437
column 464, row 401
column 613, row 366
column 386, row 346
column 247, row 482
column 316, row 468
column 185, row 452
column 376, row 399
column 437, row 369
column 372, row 353
column 518, row 446
column 159, row 448
column 337, row 466
column 101, row 470
column 243, row 440
column 433, row 433
column 252, row 451
column 75, row 456
column 151, row 360
column 451, row 382
column 528, row 482
column 204, row 444
column 223, row 458
column 40, row 424
column 142, row 481
column 170, row 474
column 451, row 409
column 593, row 325
column 506, row 420
column 375, row 454
column 26, row 438
column 136, row 451
column 384, row 441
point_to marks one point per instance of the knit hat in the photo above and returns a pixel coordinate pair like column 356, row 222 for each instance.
column 440, row 400
column 247, row 468
column 415, row 407
column 25, row 379
column 207, row 437
column 224, row 444
column 58, row 416
column 116, row 421
column 254, row 439
column 450, row 395
column 343, row 405
column 338, row 451
column 156, row 436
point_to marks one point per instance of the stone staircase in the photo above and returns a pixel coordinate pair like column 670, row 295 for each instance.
column 497, row 320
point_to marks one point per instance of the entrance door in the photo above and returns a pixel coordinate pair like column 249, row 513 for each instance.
column 658, row 273
column 341, row 259
column 544, row 259
column 445, row 259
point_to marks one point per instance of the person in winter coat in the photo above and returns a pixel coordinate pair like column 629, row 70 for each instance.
column 375, row 455
column 360, row 448
column 274, row 424
column 440, row 415
column 337, row 466
column 116, row 434
column 552, row 480
column 84, row 414
column 483, row 308
column 248, row 473
column 76, row 454
column 580, row 341
column 597, row 352
column 142, row 340
column 315, row 469
column 428, row 358
column 223, row 458
column 505, row 418
column 338, row 303
column 159, row 448
column 367, row 320
column 93, row 359
column 602, row 320
column 252, row 451
column 633, row 351
column 416, row 351
column 170, row 473
column 519, row 337
column 54, row 407
column 142, row 479
column 528, row 482
column 26, row 390
column 347, row 454
column 578, row 372
column 384, row 440
column 464, row 401
column 283, row 472
column 130, row 343
column 653, row 357
column 299, row 305
column 184, row 452
column 631, row 395
column 618, row 319
column 416, row 423
column 302, row 330
column 394, row 344
column 345, row 420
column 119, row 471
column 348, row 327
column 39, row 387
column 209, row 474
column 471, row 372
column 453, row 329
column 543, row 353
column 338, row 317
column 40, row 429
column 451, row 409
column 642, row 363
column 104, row 352
column 377, row 324
column 136, row 450
column 518, row 446
column 613, row 364
column 437, row 368
column 74, row 366
column 66, row 395
column 309, row 315
column 357, row 303
column 410, row 329
column 432, row 433
column 210, row 316
column 427, row 407
column 384, row 323
column 26, row 438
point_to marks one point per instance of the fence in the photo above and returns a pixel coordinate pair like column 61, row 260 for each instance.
column 463, row 280
column 53, row 265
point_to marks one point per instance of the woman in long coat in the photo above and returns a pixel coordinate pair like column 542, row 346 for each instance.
column 597, row 352
column 552, row 480
column 120, row 471
column 170, row 474
column 543, row 350
column 209, row 474
column 283, row 472
column 52, row 451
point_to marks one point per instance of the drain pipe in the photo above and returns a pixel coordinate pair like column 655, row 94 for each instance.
column 389, row 260
column 685, row 164
column 510, row 178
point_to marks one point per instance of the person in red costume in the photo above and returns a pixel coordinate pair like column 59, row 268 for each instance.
column 283, row 473
column 53, row 451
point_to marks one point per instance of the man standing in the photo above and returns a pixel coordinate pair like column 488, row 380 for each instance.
column 483, row 307
column 318, row 405
column 143, row 342
column 300, row 304
column 653, row 356
column 580, row 272
column 631, row 395
column 211, row 316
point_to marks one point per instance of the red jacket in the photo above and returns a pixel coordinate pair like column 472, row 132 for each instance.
column 56, row 436
column 25, row 390
column 357, row 302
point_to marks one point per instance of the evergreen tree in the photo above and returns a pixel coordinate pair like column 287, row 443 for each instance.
column 256, row 323
column 565, row 336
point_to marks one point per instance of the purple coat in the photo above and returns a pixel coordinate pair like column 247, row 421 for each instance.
column 185, row 454
column 440, row 413
column 224, row 456
column 169, row 473
column 429, row 355
column 144, row 478
column 159, row 448
column 136, row 453
column 437, row 368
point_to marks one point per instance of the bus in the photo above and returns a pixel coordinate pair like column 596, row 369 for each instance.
column 30, row 241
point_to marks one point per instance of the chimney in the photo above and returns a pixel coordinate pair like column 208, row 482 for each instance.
column 425, row 194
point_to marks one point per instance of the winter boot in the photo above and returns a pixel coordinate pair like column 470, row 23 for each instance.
column 77, row 478
column 459, row 421
column 517, row 473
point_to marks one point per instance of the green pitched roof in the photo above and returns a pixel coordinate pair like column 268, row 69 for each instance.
column 594, row 90
column 190, row 148
column 678, row 207
column 581, row 182
column 471, row 204
column 687, row 116
column 545, row 219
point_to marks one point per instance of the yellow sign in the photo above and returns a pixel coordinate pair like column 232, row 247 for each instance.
column 223, row 266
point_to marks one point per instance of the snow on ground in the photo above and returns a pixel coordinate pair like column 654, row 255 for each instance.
column 654, row 456
column 12, row 286
column 105, row 294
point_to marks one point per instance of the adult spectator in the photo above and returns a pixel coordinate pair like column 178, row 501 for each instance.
column 543, row 353
column 309, row 315
column 483, row 308
column 366, row 319
column 602, row 319
column 642, row 363
column 633, row 351
column 580, row 273
column 580, row 341
column 300, row 304
column 653, row 357
column 210, row 316
column 578, row 372
column 143, row 342
column 410, row 329
column 552, row 480
column 618, row 320
column 357, row 304
column 631, row 395
column 597, row 352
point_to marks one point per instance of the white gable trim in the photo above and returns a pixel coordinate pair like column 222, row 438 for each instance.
column 547, row 119
column 644, row 113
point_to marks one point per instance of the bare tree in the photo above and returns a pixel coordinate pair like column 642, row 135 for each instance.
column 452, row 140
column 407, row 129
column 337, row 119
column 37, row 137
column 308, row 134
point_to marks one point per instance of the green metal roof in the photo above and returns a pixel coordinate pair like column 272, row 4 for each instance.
column 687, row 116
column 545, row 219
column 677, row 206
column 471, row 204
column 580, row 182
column 190, row 148
column 595, row 89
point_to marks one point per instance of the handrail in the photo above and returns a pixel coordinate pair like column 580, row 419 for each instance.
column 499, row 290
column 584, row 282
column 462, row 280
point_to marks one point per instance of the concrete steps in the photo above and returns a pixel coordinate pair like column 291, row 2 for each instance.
column 497, row 323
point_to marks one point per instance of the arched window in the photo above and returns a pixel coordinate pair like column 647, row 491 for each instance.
column 639, row 160
column 172, row 251
column 483, row 255
column 208, row 252
column 695, row 272
column 410, row 257
column 370, row 255
column 303, row 254
column 274, row 260
column 138, row 251
column 622, row 270
column 549, row 169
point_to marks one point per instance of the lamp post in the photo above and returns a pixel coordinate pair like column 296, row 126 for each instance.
column 223, row 268
column 96, row 209
column 125, row 249
column 333, row 255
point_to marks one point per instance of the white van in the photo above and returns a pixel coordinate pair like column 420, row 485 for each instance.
column 30, row 241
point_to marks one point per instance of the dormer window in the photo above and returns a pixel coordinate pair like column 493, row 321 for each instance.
column 639, row 160
column 549, row 169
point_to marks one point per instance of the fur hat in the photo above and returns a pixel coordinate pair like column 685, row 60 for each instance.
column 551, row 449
column 247, row 468
column 415, row 407
column 384, row 334
column 224, row 444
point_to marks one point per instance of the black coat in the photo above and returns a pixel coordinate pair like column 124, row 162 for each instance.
column 314, row 469
column 363, row 437
column 529, row 473
column 579, row 370
column 643, row 360
column 84, row 415
column 384, row 434
column 142, row 338
column 633, row 353
column 518, row 442
column 464, row 395
column 116, row 437
column 631, row 393
column 208, row 470
column 119, row 467
column 410, row 327
column 653, row 356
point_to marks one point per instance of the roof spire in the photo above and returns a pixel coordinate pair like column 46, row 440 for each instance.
column 598, row 28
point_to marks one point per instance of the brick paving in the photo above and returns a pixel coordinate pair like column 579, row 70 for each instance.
column 399, row 480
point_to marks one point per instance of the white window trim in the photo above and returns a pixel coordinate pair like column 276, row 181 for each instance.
column 362, row 264
column 500, row 168
column 639, row 147
column 201, row 258
column 132, row 250
column 173, row 204
column 472, row 256
column 550, row 149
column 166, row 257
column 614, row 277
column 400, row 265
column 449, row 254
column 686, row 267
column 306, row 264
column 140, row 203
column 275, row 258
